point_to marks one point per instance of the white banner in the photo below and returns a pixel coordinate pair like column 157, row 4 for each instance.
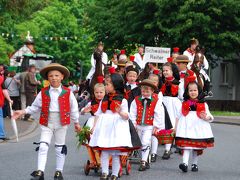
column 156, row 54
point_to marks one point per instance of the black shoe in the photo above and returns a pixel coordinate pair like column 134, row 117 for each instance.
column 104, row 176
column 153, row 158
column 177, row 151
column 183, row 167
column 147, row 165
column 5, row 138
column 194, row 168
column 166, row 155
column 58, row 175
column 114, row 177
column 37, row 175
column 143, row 166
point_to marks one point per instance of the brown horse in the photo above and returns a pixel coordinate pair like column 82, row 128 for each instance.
column 197, row 65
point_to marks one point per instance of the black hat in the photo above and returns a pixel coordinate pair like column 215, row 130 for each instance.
column 131, row 68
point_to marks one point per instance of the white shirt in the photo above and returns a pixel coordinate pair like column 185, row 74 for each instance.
column 132, row 85
column 139, row 60
column 54, row 105
column 159, row 115
column 93, row 63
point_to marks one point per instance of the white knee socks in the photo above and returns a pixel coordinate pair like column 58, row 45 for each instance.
column 186, row 154
column 168, row 147
column 42, row 156
column 115, row 165
column 154, row 145
column 194, row 157
column 105, row 162
column 60, row 159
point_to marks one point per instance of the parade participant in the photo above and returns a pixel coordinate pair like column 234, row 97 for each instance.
column 92, row 107
column 104, row 59
column 121, row 67
column 155, row 77
column 139, row 57
column 193, row 131
column 182, row 62
column 147, row 114
column 131, row 89
column 170, row 97
column 112, row 133
column 58, row 106
column 191, row 51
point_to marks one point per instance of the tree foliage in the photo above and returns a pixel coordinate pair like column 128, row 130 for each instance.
column 5, row 50
column 169, row 23
column 53, row 19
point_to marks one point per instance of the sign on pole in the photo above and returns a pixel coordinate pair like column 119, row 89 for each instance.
column 156, row 54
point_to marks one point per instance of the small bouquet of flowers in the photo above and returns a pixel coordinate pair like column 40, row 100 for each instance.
column 165, row 136
column 83, row 136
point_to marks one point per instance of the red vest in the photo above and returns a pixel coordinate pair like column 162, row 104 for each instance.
column 186, row 108
column 174, row 89
column 1, row 91
column 64, row 106
column 94, row 106
column 149, row 113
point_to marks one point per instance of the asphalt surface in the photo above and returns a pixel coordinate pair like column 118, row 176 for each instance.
column 222, row 162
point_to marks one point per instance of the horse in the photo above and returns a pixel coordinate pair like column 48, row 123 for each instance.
column 197, row 67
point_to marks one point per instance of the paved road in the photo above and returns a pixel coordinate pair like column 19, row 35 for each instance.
column 222, row 162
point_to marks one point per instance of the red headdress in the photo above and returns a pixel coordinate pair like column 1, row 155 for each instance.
column 132, row 58
column 191, row 79
column 176, row 50
column 170, row 59
column 156, row 71
column 123, row 51
column 100, row 79
column 111, row 70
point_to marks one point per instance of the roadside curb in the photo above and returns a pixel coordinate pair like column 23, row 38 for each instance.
column 227, row 123
column 228, row 120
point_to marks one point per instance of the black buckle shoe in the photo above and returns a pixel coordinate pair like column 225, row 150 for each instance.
column 58, row 175
column 153, row 157
column 194, row 168
column 114, row 177
column 143, row 166
column 37, row 175
column 104, row 176
column 183, row 167
column 166, row 155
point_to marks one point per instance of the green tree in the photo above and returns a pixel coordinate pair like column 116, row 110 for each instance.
column 169, row 23
column 54, row 21
column 5, row 50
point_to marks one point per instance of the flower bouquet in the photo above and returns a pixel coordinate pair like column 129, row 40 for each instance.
column 83, row 136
